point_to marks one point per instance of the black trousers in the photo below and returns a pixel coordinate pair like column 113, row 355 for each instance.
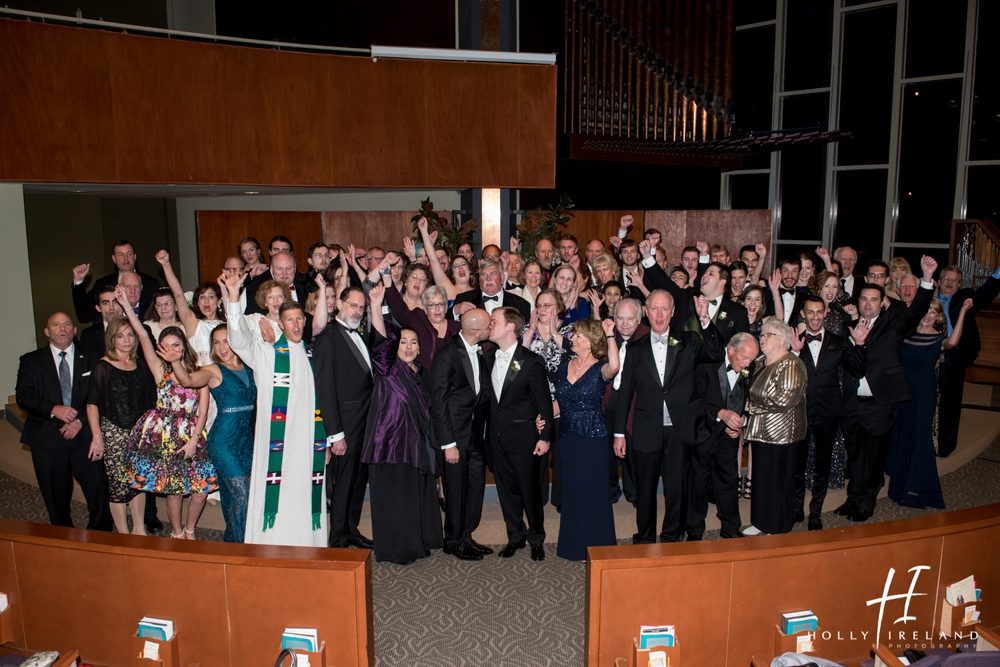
column 715, row 461
column 517, row 473
column 55, row 469
column 463, row 483
column 668, row 462
column 951, row 386
column 350, row 479
column 624, row 465
column 866, row 456
column 823, row 433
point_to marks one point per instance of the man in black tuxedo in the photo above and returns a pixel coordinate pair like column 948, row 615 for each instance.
column 459, row 406
column 791, row 294
column 105, row 303
column 628, row 329
column 875, row 381
column 878, row 274
column 518, row 391
column 716, row 458
column 344, row 383
column 658, row 376
column 283, row 271
column 951, row 374
column 491, row 294
column 123, row 256
column 821, row 353
column 52, row 387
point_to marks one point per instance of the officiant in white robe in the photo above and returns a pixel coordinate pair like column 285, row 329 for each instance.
column 295, row 522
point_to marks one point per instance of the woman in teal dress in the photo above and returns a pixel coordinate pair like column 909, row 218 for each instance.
column 167, row 444
column 230, row 442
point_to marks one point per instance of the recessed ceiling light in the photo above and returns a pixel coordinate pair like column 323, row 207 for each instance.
column 251, row 192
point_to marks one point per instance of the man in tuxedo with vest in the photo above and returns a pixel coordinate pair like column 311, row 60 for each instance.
column 519, row 394
column 821, row 353
column 52, row 387
column 716, row 459
column 344, row 384
column 459, row 406
column 875, row 381
column 658, row 376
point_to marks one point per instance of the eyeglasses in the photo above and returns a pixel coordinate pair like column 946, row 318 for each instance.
column 437, row 305
column 878, row 275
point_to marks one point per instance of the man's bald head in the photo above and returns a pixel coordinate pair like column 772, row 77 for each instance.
column 59, row 330
column 283, row 268
column 476, row 325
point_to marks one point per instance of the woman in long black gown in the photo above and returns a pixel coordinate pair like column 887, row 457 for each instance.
column 406, row 519
column 587, row 518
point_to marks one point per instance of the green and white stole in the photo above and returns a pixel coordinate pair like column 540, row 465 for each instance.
column 276, row 448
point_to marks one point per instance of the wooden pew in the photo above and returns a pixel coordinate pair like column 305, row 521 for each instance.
column 725, row 596
column 229, row 603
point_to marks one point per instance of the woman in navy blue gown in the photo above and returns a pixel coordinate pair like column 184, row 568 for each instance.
column 587, row 518
column 912, row 464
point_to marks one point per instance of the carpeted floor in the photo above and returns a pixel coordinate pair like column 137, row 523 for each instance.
column 514, row 612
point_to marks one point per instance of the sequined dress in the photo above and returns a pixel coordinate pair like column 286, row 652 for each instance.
column 586, row 519
column 156, row 465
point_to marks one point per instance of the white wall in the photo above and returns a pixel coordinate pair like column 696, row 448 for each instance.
column 368, row 200
column 15, row 299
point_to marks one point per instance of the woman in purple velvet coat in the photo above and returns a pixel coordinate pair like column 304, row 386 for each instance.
column 406, row 519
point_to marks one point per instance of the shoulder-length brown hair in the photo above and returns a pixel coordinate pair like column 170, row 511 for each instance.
column 114, row 328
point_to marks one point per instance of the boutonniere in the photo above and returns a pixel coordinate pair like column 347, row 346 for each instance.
column 745, row 373
column 722, row 315
column 673, row 342
column 515, row 366
column 479, row 351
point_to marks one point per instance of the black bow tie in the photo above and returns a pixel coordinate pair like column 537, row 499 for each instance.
column 495, row 297
column 785, row 290
column 814, row 338
column 730, row 369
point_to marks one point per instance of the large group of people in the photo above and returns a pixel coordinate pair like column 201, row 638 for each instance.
column 577, row 375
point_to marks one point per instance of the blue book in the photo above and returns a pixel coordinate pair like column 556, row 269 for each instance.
column 795, row 622
column 656, row 635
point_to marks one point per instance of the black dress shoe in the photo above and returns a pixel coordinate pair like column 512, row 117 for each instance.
column 694, row 538
column 510, row 549
column 359, row 541
column 153, row 525
column 616, row 493
column 846, row 509
column 479, row 548
column 815, row 523
column 860, row 515
column 537, row 552
column 463, row 552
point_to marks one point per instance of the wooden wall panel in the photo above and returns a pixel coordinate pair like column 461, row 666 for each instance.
column 730, row 228
column 220, row 231
column 92, row 106
column 602, row 225
column 370, row 228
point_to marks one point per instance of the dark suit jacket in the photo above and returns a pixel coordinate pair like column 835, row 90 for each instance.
column 730, row 319
column 640, row 332
column 83, row 299
column 968, row 348
column 301, row 291
column 524, row 396
column 475, row 297
column 459, row 413
column 709, row 385
column 656, row 278
column 878, row 361
column 642, row 382
column 823, row 394
column 38, row 391
column 344, row 382
column 852, row 296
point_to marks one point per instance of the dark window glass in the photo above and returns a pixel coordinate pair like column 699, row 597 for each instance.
column 928, row 153
column 985, row 144
column 809, row 25
column 753, row 11
column 803, row 169
column 913, row 255
column 982, row 200
column 861, row 211
column 935, row 37
column 748, row 191
column 753, row 78
column 866, row 85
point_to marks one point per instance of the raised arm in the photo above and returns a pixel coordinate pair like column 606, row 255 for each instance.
column 148, row 351
column 761, row 255
column 610, row 369
column 320, row 315
column 240, row 337
column 184, row 312
column 206, row 376
column 441, row 278
column 779, row 304
column 375, row 298
column 956, row 333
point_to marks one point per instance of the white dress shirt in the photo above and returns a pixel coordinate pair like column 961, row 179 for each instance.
column 70, row 357
column 500, row 366
column 660, row 357
column 357, row 340
column 814, row 347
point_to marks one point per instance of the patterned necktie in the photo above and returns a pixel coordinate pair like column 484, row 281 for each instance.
column 65, row 381
column 663, row 340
